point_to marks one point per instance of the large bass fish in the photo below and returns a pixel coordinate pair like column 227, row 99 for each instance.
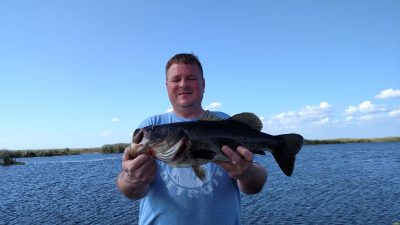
column 191, row 144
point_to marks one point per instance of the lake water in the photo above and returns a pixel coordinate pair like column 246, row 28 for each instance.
column 331, row 184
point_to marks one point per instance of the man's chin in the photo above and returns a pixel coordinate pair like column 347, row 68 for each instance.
column 185, row 105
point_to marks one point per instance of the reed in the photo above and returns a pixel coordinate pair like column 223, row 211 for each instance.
column 114, row 148
column 42, row 153
column 6, row 159
column 351, row 140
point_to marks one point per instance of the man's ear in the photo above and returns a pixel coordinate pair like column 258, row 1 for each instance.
column 204, row 84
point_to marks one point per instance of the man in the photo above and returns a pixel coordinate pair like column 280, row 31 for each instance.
column 175, row 195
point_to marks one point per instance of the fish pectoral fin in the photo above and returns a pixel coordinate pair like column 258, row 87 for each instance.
column 200, row 172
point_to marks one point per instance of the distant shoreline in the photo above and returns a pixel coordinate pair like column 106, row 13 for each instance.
column 119, row 148
column 351, row 140
column 7, row 157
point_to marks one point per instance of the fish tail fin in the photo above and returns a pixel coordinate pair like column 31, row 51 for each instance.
column 285, row 154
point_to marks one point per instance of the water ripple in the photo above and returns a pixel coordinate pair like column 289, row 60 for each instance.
column 331, row 184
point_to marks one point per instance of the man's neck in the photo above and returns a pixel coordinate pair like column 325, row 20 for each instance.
column 188, row 114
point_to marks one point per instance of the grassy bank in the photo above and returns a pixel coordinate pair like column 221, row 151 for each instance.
column 7, row 157
column 42, row 153
column 351, row 140
column 114, row 148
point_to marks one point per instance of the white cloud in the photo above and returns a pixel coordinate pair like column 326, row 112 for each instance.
column 315, row 112
column 364, row 107
column 286, row 117
column 349, row 118
column 114, row 120
column 105, row 133
column 364, row 112
column 394, row 113
column 213, row 106
column 388, row 93
column 324, row 105
column 350, row 110
column 368, row 117
column 322, row 122
column 317, row 115
column 313, row 119
column 169, row 110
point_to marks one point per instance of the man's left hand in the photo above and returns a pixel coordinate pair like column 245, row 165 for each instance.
column 241, row 162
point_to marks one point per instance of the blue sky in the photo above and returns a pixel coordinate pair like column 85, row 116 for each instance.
column 85, row 73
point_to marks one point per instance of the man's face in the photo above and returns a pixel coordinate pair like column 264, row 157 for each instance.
column 185, row 85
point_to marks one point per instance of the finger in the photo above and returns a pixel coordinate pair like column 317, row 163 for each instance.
column 148, row 165
column 145, row 173
column 151, row 172
column 126, row 155
column 232, row 155
column 246, row 154
column 139, row 161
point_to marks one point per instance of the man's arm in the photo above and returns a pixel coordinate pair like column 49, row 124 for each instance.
column 136, row 175
column 249, row 176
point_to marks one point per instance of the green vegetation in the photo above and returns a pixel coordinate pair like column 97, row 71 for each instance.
column 42, row 153
column 6, row 159
column 351, row 140
column 114, row 148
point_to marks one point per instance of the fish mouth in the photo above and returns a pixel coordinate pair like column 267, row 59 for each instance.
column 176, row 153
column 138, row 136
column 138, row 145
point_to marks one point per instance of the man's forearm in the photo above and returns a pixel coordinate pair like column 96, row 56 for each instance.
column 254, row 180
column 129, row 189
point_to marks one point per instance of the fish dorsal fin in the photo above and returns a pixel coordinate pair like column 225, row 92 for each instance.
column 249, row 119
column 209, row 116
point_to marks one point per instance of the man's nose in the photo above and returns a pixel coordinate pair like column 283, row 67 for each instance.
column 183, row 83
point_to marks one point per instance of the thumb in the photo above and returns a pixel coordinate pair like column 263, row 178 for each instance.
column 127, row 154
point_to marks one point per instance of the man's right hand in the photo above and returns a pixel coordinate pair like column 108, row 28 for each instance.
column 136, row 175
